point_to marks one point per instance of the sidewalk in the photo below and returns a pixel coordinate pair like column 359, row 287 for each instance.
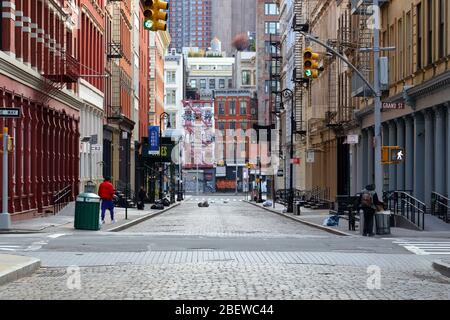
column 15, row 267
column 315, row 218
column 64, row 221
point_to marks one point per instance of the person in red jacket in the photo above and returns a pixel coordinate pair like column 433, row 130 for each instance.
column 106, row 193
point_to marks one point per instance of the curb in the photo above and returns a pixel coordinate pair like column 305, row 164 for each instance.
column 311, row 224
column 20, row 231
column 17, row 270
column 142, row 219
column 442, row 267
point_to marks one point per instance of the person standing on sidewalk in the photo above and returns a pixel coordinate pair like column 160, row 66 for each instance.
column 106, row 193
column 368, row 203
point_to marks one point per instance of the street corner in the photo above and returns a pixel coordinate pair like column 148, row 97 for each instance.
column 136, row 217
column 443, row 267
column 14, row 267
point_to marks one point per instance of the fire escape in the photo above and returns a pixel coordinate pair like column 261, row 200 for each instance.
column 114, row 54
column 339, row 112
column 362, row 38
column 300, row 23
column 64, row 69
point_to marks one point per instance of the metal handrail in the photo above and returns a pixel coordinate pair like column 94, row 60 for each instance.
column 388, row 197
column 61, row 198
column 410, row 208
column 440, row 206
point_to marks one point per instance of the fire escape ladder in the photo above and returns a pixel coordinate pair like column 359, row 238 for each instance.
column 276, row 65
column 299, row 20
column 332, row 115
column 114, row 55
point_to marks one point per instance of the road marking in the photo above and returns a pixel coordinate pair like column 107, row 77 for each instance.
column 56, row 235
column 425, row 247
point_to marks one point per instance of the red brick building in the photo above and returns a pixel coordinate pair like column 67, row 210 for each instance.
column 38, row 58
column 235, row 112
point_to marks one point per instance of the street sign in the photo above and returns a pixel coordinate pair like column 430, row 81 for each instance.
column 9, row 112
column 310, row 157
column 295, row 160
column 153, row 139
column 280, row 173
column 352, row 139
column 94, row 139
column 392, row 155
column 393, row 105
column 97, row 147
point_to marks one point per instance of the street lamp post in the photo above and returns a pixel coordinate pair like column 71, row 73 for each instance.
column 163, row 115
column 288, row 94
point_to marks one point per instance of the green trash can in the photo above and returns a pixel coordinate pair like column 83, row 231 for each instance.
column 87, row 211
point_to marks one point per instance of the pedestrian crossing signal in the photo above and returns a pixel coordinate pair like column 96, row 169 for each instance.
column 392, row 155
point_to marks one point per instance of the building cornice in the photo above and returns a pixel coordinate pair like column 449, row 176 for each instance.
column 422, row 90
column 428, row 87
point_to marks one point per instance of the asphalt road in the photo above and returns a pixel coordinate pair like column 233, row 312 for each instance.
column 231, row 226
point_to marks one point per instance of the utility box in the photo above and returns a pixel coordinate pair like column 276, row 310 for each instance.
column 384, row 73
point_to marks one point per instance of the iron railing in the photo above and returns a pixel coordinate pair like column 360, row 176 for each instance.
column 388, row 197
column 61, row 198
column 440, row 206
column 410, row 208
column 282, row 195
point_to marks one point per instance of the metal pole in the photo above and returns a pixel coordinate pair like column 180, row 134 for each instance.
column 90, row 161
column 126, row 182
column 377, row 102
column 5, row 219
column 236, row 174
column 290, row 207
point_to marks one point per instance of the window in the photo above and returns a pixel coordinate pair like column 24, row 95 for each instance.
column 441, row 44
column 212, row 83
column 243, row 108
column 246, row 78
column 430, row 32
column 271, row 9
column 194, row 83
column 171, row 96
column 232, row 108
column 271, row 27
column 244, row 125
column 221, row 108
column 419, row 36
column 230, row 83
column 232, row 125
column 401, row 71
column 202, row 83
column 408, row 44
column 253, row 111
column 221, row 126
column 170, row 76
column 221, row 83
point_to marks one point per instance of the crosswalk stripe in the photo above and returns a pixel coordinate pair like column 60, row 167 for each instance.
column 425, row 247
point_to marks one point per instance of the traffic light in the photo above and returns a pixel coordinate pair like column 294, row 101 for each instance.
column 310, row 63
column 154, row 18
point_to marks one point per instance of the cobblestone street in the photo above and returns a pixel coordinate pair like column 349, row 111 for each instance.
column 231, row 250
column 222, row 280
